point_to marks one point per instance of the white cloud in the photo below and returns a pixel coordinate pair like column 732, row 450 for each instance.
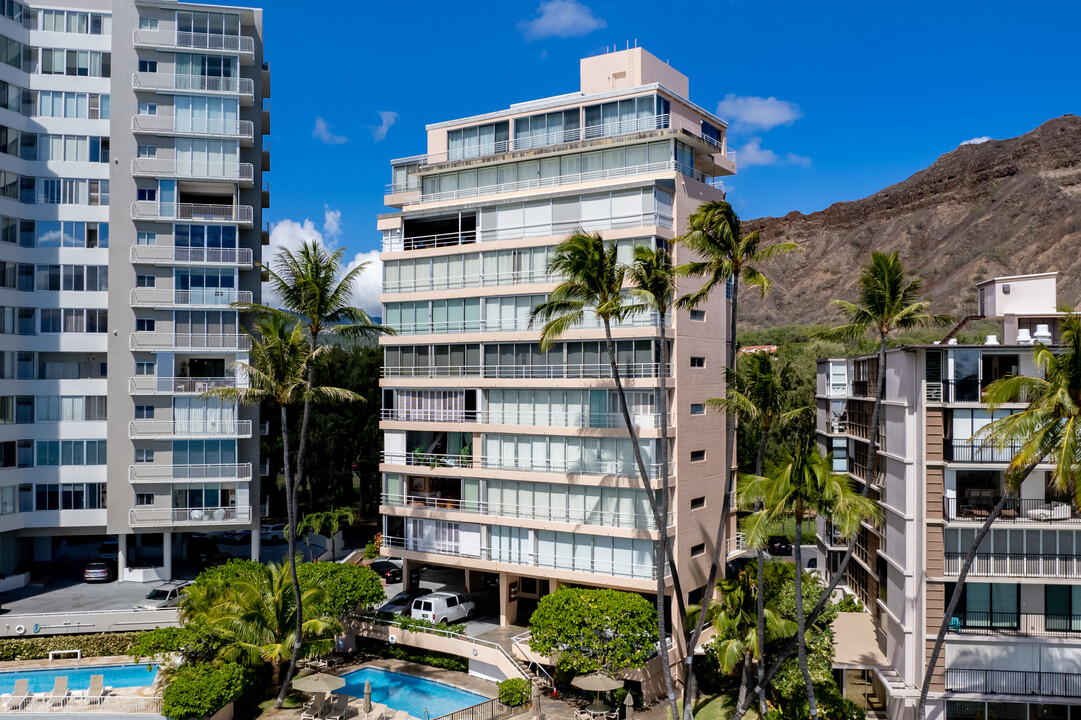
column 976, row 140
column 322, row 132
column 758, row 113
column 370, row 283
column 752, row 153
column 562, row 19
column 332, row 223
column 387, row 118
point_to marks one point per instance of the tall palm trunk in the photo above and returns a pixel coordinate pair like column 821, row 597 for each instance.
column 290, row 512
column 760, row 579
column 745, row 676
column 722, row 524
column 662, row 542
column 801, row 624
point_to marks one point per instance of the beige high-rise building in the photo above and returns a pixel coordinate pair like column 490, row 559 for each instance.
column 506, row 463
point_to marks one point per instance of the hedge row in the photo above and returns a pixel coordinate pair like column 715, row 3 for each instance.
column 382, row 649
column 96, row 645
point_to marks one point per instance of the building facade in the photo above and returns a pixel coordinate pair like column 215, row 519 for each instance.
column 1013, row 650
column 506, row 462
column 129, row 222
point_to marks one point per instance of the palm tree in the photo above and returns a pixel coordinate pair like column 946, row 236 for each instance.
column 760, row 396
column 279, row 371
column 329, row 522
column 740, row 625
column 803, row 485
column 258, row 619
column 726, row 257
column 654, row 287
column 1048, row 430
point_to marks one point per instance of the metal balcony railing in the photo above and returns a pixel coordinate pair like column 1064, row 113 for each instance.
column 201, row 84
column 203, row 297
column 173, row 125
column 238, row 172
column 1013, row 682
column 522, row 277
column 170, row 212
column 1020, row 565
column 622, row 468
column 240, row 44
column 189, row 341
column 552, row 418
column 139, row 429
column 1017, row 623
column 576, row 516
column 168, row 255
column 969, row 451
column 153, row 385
column 152, row 473
column 144, row 516
column 1016, row 510
column 526, row 372
column 515, row 324
column 970, row 391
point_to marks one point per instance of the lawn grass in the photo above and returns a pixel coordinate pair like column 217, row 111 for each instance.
column 292, row 701
column 717, row 707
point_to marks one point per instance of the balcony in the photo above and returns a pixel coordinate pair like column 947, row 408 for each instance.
column 553, row 418
column 1013, row 682
column 513, row 277
column 152, row 385
column 1016, row 565
column 1024, row 511
column 241, row 173
column 584, row 371
column 154, row 341
column 968, row 451
column 166, row 256
column 152, row 516
column 171, row 212
column 516, row 324
column 968, row 391
column 201, row 298
column 151, row 473
column 1021, row 624
column 195, row 85
column 168, row 429
column 241, row 130
column 621, row 468
column 573, row 516
column 241, row 45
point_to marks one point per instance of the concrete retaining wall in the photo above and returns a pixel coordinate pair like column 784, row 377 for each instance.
column 88, row 622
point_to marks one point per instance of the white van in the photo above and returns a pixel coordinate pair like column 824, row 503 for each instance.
column 443, row 607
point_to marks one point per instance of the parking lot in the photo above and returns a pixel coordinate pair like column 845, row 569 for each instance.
column 451, row 580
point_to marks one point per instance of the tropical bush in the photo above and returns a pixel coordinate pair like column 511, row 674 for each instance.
column 347, row 587
column 405, row 622
column 196, row 642
column 515, row 692
column 380, row 648
column 199, row 690
column 97, row 645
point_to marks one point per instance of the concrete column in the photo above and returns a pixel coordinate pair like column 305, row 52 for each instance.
column 255, row 543
column 121, row 556
column 167, row 553
column 508, row 609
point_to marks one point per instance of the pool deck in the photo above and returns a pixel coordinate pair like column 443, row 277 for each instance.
column 83, row 663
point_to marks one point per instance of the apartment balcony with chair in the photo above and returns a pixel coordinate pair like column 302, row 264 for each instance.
column 153, row 385
column 976, row 507
column 200, row 297
column 239, row 45
column 141, row 473
column 241, row 87
column 153, row 211
column 167, row 256
column 229, row 172
column 1013, row 682
column 171, row 126
column 168, row 429
column 168, row 342
column 192, row 517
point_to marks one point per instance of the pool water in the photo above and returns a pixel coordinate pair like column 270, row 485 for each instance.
column 116, row 676
column 410, row 693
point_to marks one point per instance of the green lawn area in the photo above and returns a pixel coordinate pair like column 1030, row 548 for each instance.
column 717, row 707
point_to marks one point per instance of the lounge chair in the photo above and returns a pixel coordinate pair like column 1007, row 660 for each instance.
column 401, row 715
column 317, row 700
column 315, row 712
column 19, row 696
column 59, row 695
column 96, row 693
column 340, row 709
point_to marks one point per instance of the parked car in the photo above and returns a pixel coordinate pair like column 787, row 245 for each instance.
column 443, row 607
column 163, row 596
column 272, row 534
column 401, row 604
column 779, row 545
column 390, row 572
column 100, row 570
column 236, row 537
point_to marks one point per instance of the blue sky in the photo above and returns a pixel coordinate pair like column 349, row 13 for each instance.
column 827, row 101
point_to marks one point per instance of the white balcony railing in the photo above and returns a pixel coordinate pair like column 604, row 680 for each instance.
column 172, row 125
column 169, row 255
column 526, row 372
column 151, row 473
column 551, row 418
column 152, row 385
column 242, row 173
column 1016, row 565
column 240, row 44
column 144, row 516
column 201, row 84
column 620, row 467
column 202, row 297
column 516, row 324
column 575, row 516
column 189, row 341
column 164, row 429
column 170, row 212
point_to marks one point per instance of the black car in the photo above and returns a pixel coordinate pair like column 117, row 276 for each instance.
column 390, row 572
column 779, row 545
column 402, row 603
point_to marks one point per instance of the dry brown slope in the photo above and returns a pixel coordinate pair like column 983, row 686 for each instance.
column 1004, row 207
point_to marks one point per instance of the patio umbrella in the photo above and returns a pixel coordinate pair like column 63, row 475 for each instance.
column 367, row 696
column 319, row 682
column 596, row 682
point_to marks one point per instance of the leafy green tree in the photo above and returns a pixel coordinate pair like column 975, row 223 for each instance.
column 806, row 485
column 198, row 690
column 725, row 256
column 1048, row 430
column 345, row 586
column 591, row 630
column 197, row 642
column 327, row 521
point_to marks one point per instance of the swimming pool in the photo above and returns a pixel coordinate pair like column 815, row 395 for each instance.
column 116, row 676
column 410, row 693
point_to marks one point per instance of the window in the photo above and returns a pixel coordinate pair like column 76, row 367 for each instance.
column 145, row 237
column 148, row 23
column 148, row 66
column 144, row 499
column 147, row 194
column 144, row 281
column 144, row 412
column 698, row 455
column 699, row 549
column 144, row 368
column 148, row 151
column 698, row 409
column 698, row 503
column 145, row 324
column 698, row 362
column 698, row 315
column 144, row 456
column 148, row 108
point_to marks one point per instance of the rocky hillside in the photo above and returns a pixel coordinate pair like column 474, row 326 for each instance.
column 1003, row 207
